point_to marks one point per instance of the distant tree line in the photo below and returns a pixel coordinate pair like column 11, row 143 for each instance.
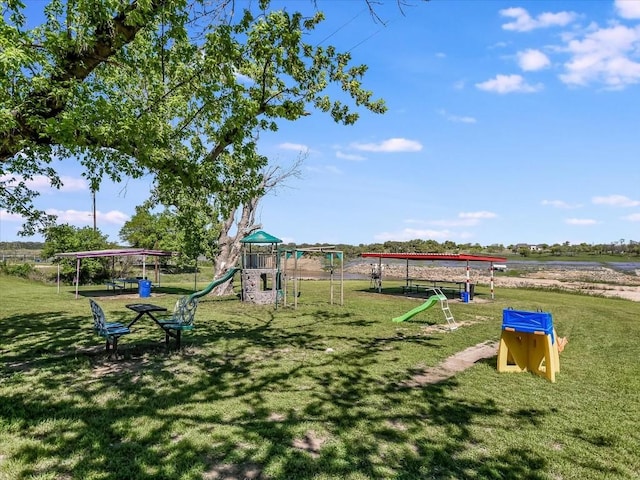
column 621, row 247
column 82, row 237
column 14, row 246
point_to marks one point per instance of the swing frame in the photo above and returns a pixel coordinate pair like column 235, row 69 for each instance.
column 330, row 253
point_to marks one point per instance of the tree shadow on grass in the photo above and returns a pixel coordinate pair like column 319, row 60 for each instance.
column 35, row 335
column 253, row 396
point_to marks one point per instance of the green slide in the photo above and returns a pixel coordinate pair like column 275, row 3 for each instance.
column 228, row 275
column 431, row 301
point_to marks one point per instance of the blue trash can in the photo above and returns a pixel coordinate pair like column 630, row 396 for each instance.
column 144, row 288
column 465, row 297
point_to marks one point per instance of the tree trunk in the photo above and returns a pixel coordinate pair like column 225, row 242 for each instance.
column 229, row 246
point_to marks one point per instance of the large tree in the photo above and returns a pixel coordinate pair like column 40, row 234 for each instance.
column 179, row 88
column 194, row 227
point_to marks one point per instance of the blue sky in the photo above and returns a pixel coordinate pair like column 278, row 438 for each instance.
column 508, row 122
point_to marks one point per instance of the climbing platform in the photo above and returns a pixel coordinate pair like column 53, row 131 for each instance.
column 528, row 343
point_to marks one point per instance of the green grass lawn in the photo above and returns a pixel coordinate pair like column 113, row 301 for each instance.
column 314, row 393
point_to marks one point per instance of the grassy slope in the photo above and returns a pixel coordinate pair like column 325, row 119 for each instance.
column 312, row 393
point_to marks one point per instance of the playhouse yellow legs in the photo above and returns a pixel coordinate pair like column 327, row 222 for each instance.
column 533, row 352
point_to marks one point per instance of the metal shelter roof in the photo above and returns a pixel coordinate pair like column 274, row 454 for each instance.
column 436, row 256
column 117, row 252
column 113, row 252
column 260, row 236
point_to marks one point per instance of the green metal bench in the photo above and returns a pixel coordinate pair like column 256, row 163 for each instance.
column 184, row 311
column 181, row 319
column 110, row 331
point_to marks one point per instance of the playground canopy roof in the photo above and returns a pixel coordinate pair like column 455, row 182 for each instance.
column 260, row 237
column 436, row 256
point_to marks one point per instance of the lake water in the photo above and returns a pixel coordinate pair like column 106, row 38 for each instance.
column 624, row 267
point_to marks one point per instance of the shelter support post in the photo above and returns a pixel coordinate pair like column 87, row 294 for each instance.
column 407, row 284
column 331, row 278
column 341, row 278
column 295, row 280
column 77, row 275
column 468, row 286
column 491, row 282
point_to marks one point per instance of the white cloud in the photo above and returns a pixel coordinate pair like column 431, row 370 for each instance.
column 350, row 156
column 459, row 222
column 532, row 60
column 391, row 145
column 333, row 169
column 508, row 84
column 523, row 22
column 465, row 219
column 583, row 222
column 298, row 147
column 477, row 215
column 42, row 184
column 459, row 85
column 604, row 56
column 456, row 118
column 85, row 217
column 616, row 201
column 560, row 204
column 73, row 184
column 634, row 217
column 325, row 169
column 628, row 8
column 498, row 45
column 114, row 216
column 441, row 55
column 10, row 217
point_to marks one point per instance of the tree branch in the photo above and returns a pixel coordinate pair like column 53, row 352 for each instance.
column 47, row 103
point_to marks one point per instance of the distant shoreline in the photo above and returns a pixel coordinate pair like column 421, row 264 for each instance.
column 591, row 278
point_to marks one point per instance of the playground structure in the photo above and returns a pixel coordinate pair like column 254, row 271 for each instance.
column 267, row 277
column 260, row 275
column 529, row 343
column 334, row 260
column 437, row 296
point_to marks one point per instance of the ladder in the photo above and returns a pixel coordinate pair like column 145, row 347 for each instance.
column 444, row 304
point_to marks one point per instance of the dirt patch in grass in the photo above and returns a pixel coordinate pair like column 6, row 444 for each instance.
column 439, row 327
column 276, row 417
column 310, row 443
column 454, row 364
column 225, row 471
